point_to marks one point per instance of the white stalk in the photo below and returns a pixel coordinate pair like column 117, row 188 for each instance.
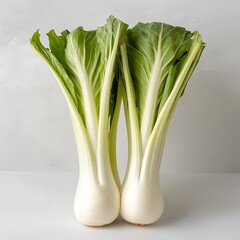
column 141, row 199
column 134, row 137
column 103, row 154
column 142, row 202
column 112, row 137
column 96, row 203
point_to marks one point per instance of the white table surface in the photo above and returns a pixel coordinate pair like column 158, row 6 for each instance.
column 39, row 206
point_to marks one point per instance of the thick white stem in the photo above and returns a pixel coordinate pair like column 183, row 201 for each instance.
column 113, row 135
column 142, row 202
column 95, row 204
column 103, row 161
column 134, row 137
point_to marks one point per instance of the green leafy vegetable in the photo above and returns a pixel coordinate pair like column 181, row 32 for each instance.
column 85, row 65
column 149, row 66
column 157, row 63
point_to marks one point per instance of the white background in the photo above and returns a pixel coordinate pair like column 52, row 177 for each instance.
column 38, row 159
column 35, row 127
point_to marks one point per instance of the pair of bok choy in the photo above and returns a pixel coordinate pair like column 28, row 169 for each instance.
column 148, row 67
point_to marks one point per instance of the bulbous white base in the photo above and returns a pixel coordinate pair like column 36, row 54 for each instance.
column 141, row 203
column 97, row 205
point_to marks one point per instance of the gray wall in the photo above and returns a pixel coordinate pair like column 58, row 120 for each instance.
column 35, row 127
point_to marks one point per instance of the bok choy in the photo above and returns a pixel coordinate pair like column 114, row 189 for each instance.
column 149, row 67
column 157, row 63
column 85, row 66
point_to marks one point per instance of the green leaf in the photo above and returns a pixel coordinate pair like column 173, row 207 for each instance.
column 53, row 62
column 83, row 59
column 114, row 32
column 155, row 52
column 57, row 45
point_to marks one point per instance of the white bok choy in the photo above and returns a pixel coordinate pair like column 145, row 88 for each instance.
column 157, row 63
column 85, row 66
